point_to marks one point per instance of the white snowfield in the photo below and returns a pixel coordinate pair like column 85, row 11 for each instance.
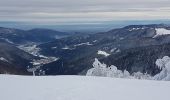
column 103, row 53
column 81, row 88
column 161, row 31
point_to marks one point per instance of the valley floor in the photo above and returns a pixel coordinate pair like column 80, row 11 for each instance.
column 81, row 88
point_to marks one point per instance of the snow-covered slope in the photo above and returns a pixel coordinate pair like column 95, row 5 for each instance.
column 161, row 31
column 81, row 88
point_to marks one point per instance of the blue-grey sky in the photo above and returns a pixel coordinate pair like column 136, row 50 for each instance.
column 84, row 12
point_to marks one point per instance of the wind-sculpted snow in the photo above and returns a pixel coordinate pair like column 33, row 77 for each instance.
column 80, row 88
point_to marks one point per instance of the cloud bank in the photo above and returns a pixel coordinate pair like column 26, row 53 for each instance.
column 60, row 12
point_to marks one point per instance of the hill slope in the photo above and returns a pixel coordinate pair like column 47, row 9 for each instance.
column 13, row 60
column 17, row 36
column 77, row 52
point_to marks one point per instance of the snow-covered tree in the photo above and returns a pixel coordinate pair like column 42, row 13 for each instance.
column 98, row 70
column 161, row 62
column 41, row 72
column 164, row 65
column 126, row 74
column 101, row 69
column 32, row 70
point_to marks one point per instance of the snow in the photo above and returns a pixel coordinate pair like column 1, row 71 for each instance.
column 31, row 49
column 161, row 62
column 81, row 88
column 134, row 29
column 53, row 47
column 65, row 48
column 35, row 51
column 7, row 40
column 115, row 50
column 87, row 43
column 103, row 53
column 101, row 69
column 44, row 61
column 95, row 41
column 42, row 56
column 121, row 38
column 161, row 31
column 164, row 65
column 3, row 59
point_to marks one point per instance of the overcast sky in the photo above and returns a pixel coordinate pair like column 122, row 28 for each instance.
column 82, row 11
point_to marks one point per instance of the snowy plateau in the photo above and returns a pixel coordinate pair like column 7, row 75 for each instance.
column 81, row 88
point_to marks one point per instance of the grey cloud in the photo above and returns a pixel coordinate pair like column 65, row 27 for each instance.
column 82, row 10
column 79, row 5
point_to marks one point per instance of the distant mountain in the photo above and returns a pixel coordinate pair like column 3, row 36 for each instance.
column 134, row 48
column 77, row 52
column 17, row 36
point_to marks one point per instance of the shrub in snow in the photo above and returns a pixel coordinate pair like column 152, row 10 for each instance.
column 164, row 65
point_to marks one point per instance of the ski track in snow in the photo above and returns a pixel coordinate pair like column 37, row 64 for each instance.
column 80, row 88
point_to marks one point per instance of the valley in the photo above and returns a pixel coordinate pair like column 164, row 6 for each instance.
column 134, row 48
